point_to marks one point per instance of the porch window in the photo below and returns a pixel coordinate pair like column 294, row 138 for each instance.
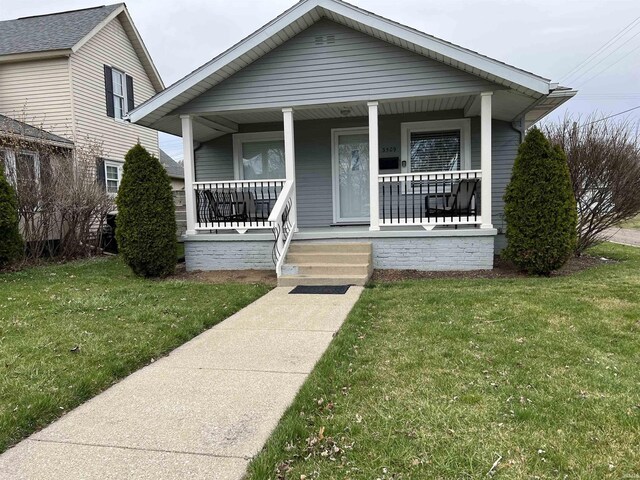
column 259, row 156
column 440, row 146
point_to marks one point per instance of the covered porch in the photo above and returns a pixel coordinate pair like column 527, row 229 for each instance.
column 393, row 166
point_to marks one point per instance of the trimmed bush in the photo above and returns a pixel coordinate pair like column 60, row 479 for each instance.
column 540, row 209
column 146, row 221
column 11, row 244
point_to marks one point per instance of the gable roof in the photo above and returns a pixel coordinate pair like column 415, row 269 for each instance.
column 173, row 168
column 11, row 126
column 308, row 12
column 62, row 33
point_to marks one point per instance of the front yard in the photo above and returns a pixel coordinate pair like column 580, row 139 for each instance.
column 475, row 378
column 634, row 223
column 69, row 331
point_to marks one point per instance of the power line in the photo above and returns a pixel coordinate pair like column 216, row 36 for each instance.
column 611, row 116
column 594, row 54
column 610, row 66
column 605, row 58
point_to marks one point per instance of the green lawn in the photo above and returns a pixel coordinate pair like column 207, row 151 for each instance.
column 69, row 331
column 442, row 378
column 633, row 223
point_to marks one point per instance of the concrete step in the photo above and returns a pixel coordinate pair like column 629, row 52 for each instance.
column 319, row 280
column 317, row 247
column 355, row 269
column 335, row 258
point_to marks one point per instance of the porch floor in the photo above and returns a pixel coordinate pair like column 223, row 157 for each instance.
column 346, row 232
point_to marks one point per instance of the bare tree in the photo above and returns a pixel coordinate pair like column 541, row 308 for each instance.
column 62, row 207
column 604, row 162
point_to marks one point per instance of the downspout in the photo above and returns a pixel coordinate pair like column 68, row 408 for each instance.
column 520, row 126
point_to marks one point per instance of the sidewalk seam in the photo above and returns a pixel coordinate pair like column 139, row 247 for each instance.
column 157, row 450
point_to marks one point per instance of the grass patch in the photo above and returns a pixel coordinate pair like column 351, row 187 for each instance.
column 69, row 331
column 634, row 223
column 441, row 378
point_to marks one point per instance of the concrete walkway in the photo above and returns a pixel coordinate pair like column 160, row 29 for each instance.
column 201, row 412
column 626, row 236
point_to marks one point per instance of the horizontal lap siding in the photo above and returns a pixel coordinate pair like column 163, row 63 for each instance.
column 110, row 46
column 355, row 66
column 506, row 141
column 39, row 93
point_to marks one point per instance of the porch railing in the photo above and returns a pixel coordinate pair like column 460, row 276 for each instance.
column 284, row 224
column 430, row 199
column 236, row 205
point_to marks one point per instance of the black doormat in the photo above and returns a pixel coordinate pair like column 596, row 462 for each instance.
column 320, row 290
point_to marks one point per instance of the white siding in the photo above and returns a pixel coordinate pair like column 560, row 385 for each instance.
column 109, row 46
column 38, row 92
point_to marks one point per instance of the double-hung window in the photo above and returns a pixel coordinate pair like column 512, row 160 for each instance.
column 436, row 146
column 118, row 92
column 113, row 176
column 259, row 156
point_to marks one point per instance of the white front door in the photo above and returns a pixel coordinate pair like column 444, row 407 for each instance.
column 350, row 175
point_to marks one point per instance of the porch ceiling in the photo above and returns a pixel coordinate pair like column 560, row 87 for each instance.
column 507, row 105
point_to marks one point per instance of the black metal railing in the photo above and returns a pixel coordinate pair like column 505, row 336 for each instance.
column 239, row 204
column 430, row 198
column 281, row 231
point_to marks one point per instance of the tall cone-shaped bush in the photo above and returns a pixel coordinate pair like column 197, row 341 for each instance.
column 146, row 222
column 540, row 209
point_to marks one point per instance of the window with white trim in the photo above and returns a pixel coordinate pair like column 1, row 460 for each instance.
column 436, row 146
column 259, row 156
column 119, row 94
column 113, row 176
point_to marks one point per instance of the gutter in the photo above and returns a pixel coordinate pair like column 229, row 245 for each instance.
column 25, row 57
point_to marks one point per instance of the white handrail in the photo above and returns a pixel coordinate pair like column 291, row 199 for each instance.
column 477, row 173
column 281, row 202
column 283, row 227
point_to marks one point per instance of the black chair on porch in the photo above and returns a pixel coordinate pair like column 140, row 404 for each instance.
column 232, row 206
column 460, row 201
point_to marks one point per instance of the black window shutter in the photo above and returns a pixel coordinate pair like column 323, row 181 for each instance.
column 130, row 103
column 100, row 174
column 108, row 90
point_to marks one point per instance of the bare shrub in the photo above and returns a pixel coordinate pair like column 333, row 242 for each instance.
column 61, row 206
column 604, row 163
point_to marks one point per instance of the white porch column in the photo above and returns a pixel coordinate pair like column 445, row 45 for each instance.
column 290, row 158
column 189, row 173
column 374, row 192
column 485, row 159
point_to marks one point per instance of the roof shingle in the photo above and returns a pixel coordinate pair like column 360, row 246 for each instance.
column 11, row 126
column 173, row 168
column 56, row 31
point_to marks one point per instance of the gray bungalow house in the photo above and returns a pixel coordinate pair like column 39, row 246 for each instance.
column 333, row 141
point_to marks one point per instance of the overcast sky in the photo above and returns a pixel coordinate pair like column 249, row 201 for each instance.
column 547, row 37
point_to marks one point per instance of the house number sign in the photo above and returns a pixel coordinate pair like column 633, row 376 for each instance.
column 389, row 149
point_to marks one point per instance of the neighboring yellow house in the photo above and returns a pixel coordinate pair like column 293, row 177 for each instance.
column 77, row 74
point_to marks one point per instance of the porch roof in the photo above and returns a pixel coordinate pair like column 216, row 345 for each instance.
column 522, row 87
